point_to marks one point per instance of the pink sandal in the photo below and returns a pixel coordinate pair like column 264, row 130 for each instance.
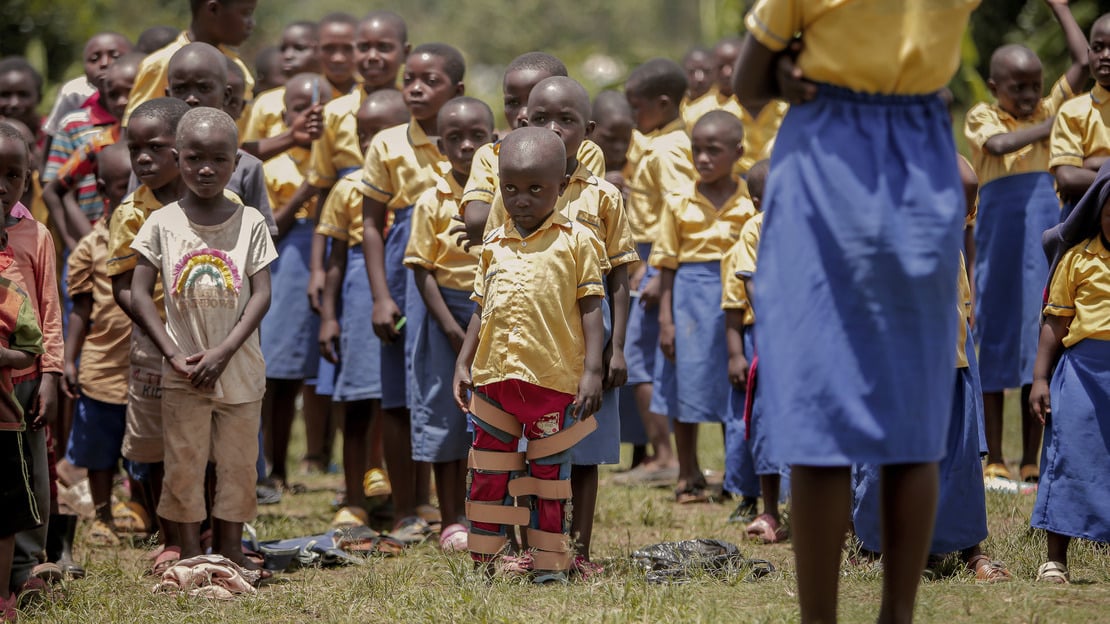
column 766, row 529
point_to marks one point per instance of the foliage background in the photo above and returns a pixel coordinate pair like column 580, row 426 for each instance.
column 599, row 39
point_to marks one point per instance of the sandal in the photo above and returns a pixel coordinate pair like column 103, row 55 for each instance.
column 745, row 512
column 411, row 531
column 376, row 483
column 1053, row 572
column 586, row 569
column 766, row 529
column 100, row 534
column 997, row 471
column 130, row 518
column 165, row 560
column 515, row 565
column 348, row 517
column 988, row 571
column 1030, row 473
column 8, row 608
column 691, row 493
column 453, row 538
column 550, row 577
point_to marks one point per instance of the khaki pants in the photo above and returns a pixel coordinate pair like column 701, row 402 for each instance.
column 142, row 438
column 196, row 430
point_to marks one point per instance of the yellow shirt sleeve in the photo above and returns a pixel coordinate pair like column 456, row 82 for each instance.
column 733, row 294
column 619, row 249
column 150, row 83
column 588, row 253
column 421, row 250
column 267, row 116
column 337, row 217
column 1061, row 291
column 774, row 22
column 664, row 252
column 1066, row 141
column 1061, row 92
column 482, row 183
column 125, row 224
column 982, row 123
column 590, row 155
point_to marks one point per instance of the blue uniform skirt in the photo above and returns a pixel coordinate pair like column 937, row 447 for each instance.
column 326, row 372
column 632, row 425
column 961, row 520
column 1072, row 498
column 438, row 425
column 394, row 371
column 701, row 357
column 740, row 476
column 603, row 446
column 857, row 264
column 1010, row 275
column 290, row 328
column 642, row 333
column 359, row 377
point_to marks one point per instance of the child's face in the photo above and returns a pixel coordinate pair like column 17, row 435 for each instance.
column 298, row 97
column 701, row 73
column 426, row 86
column 299, row 50
column 197, row 85
column 375, row 118
column 647, row 111
column 236, row 100
column 715, row 154
column 1098, row 54
column 18, row 96
column 100, row 52
column 461, row 133
column 113, row 175
column 613, row 134
column 116, row 90
column 153, row 158
column 234, row 20
column 1018, row 88
column 554, row 108
column 725, row 56
column 518, row 87
column 379, row 53
column 15, row 172
column 206, row 159
column 336, row 53
column 530, row 193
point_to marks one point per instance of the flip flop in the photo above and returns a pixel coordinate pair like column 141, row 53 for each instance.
column 165, row 560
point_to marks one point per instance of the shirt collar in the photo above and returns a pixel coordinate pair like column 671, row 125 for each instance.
column 98, row 115
column 1095, row 247
column 556, row 218
column 676, row 125
column 417, row 136
column 1100, row 94
column 446, row 184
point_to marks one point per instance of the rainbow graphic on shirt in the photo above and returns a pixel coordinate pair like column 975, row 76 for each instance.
column 207, row 267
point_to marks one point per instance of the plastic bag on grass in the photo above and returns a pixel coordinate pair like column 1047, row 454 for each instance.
column 677, row 562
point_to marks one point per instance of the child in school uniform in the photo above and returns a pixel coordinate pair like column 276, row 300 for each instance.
column 289, row 330
column 1009, row 143
column 532, row 358
column 351, row 354
column 150, row 140
column 654, row 91
column 760, row 124
column 855, row 294
column 697, row 225
column 444, row 274
column 212, row 257
column 400, row 166
column 96, row 360
column 749, row 472
column 22, row 345
column 1070, row 383
column 702, row 94
column 521, row 76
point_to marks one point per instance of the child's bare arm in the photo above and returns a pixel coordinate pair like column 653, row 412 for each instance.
column 437, row 307
column 317, row 267
column 616, row 373
column 734, row 339
column 1076, row 74
column 762, row 75
column 385, row 311
column 463, row 383
column 1007, row 142
column 16, row 359
column 1072, row 182
column 52, row 196
column 666, row 312
column 1049, row 348
column 329, row 317
column 209, row 364
column 121, row 292
column 78, row 328
column 588, row 399
column 146, row 315
column 475, row 215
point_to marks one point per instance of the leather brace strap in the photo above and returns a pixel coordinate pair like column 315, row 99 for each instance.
column 485, row 544
column 494, row 416
column 549, row 489
column 561, row 441
column 496, row 513
column 543, row 560
column 495, row 461
column 550, row 542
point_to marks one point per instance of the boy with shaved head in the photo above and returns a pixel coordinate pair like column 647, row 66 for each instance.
column 1009, row 143
column 532, row 357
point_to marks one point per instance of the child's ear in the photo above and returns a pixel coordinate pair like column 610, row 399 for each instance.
column 493, row 138
column 460, row 89
column 563, row 184
column 227, row 96
column 993, row 87
column 439, row 144
column 405, row 52
column 101, row 186
column 756, row 201
column 590, row 127
column 739, row 148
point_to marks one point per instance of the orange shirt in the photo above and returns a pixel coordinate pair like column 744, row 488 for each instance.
column 34, row 270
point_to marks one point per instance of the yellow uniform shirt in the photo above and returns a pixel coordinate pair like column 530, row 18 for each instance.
column 285, row 173
column 430, row 246
column 341, row 217
column 759, row 131
column 266, row 118
column 738, row 261
column 692, row 229
column 635, row 153
column 400, row 165
column 594, row 203
column 337, row 149
column 873, row 46
column 988, row 120
column 528, row 289
column 1080, row 289
column 128, row 217
column 151, row 81
column 1080, row 130
column 484, row 177
column 963, row 308
column 665, row 165
column 692, row 110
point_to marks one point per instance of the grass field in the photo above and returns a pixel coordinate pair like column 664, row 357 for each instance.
column 424, row 585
